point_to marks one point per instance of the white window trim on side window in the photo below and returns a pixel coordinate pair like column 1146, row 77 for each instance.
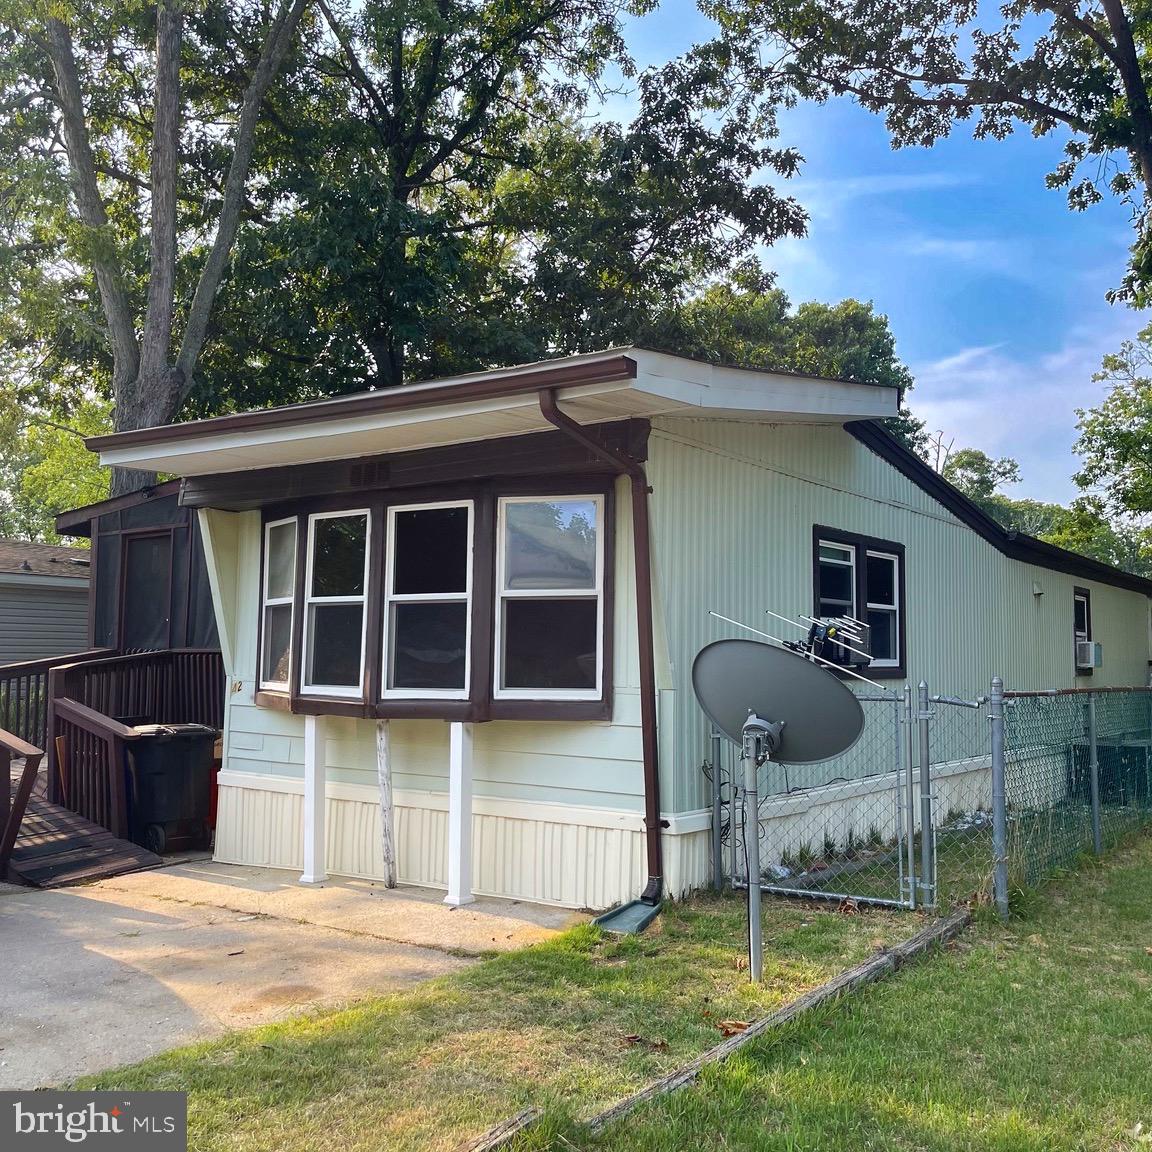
column 502, row 596
column 344, row 691
column 278, row 601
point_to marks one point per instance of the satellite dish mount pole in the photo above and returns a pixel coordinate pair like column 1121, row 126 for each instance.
column 761, row 740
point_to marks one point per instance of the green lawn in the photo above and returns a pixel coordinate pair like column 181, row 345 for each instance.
column 572, row 1025
column 1037, row 1036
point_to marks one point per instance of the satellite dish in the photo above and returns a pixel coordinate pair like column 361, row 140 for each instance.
column 732, row 678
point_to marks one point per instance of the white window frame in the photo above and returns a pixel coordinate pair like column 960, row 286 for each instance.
column 306, row 689
column 391, row 597
column 267, row 602
column 850, row 564
column 503, row 595
column 1085, row 636
column 894, row 607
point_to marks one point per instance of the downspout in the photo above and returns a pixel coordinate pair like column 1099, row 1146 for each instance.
column 642, row 544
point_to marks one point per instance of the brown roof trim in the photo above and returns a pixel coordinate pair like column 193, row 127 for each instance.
column 512, row 383
column 77, row 521
column 1017, row 545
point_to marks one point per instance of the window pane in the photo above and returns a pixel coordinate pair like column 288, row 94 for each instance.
column 550, row 644
column 829, row 608
column 338, row 555
column 277, row 643
column 835, row 552
column 836, row 584
column 429, row 644
column 881, row 576
column 1081, row 624
column 335, row 632
column 281, row 561
column 550, row 544
column 883, row 624
column 430, row 549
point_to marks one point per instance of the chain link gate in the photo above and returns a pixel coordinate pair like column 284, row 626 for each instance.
column 869, row 826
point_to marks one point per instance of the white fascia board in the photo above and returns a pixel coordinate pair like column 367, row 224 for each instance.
column 665, row 385
column 341, row 439
column 770, row 395
column 35, row 580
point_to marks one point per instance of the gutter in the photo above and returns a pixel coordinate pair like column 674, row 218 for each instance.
column 642, row 544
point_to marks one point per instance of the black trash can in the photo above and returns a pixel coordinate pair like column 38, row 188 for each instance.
column 169, row 785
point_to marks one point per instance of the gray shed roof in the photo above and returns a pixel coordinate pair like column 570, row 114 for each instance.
column 23, row 558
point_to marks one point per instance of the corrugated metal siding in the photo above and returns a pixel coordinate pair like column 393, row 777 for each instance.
column 733, row 510
column 37, row 622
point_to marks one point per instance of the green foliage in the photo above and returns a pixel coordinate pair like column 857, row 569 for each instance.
column 977, row 475
column 744, row 320
column 1116, row 437
column 45, row 468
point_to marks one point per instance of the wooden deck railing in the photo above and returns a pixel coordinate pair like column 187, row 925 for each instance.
column 90, row 776
column 24, row 694
column 12, row 807
column 174, row 686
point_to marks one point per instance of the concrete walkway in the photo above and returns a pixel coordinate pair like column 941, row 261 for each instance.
column 108, row 974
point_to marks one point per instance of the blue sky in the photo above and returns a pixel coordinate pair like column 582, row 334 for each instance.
column 994, row 289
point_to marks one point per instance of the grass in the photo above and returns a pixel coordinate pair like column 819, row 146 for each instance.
column 1030, row 1037
column 573, row 1025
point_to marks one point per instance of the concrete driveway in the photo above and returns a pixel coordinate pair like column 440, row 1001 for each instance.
column 108, row 974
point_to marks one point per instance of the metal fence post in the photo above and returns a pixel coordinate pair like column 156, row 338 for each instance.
column 1094, row 777
column 752, row 851
column 927, row 823
column 999, row 798
column 909, row 797
column 717, row 816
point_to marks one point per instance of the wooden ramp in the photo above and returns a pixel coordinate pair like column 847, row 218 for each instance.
column 56, row 847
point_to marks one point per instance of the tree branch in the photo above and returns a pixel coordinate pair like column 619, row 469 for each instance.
column 1067, row 13
column 157, row 338
column 82, row 170
column 276, row 45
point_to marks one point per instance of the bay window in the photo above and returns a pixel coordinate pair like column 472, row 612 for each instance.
column 469, row 603
column 550, row 606
column 334, row 603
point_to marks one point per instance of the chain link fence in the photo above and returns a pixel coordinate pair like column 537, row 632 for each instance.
column 945, row 799
column 1077, row 776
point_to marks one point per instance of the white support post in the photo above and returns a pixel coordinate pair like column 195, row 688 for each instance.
column 387, row 817
column 459, row 815
column 314, row 802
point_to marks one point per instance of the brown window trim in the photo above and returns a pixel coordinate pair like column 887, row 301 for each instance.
column 863, row 544
column 480, row 705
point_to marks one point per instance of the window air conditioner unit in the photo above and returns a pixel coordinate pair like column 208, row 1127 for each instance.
column 1089, row 654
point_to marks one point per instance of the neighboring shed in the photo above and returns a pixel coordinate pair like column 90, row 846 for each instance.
column 43, row 601
column 152, row 591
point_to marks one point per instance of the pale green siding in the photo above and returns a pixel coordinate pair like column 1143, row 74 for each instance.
column 733, row 511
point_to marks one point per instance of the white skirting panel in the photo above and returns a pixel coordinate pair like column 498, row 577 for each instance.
column 579, row 858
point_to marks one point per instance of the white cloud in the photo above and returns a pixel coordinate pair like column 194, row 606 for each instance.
column 824, row 198
column 987, row 397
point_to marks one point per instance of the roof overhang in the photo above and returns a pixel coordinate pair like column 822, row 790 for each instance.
column 66, row 583
column 593, row 388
